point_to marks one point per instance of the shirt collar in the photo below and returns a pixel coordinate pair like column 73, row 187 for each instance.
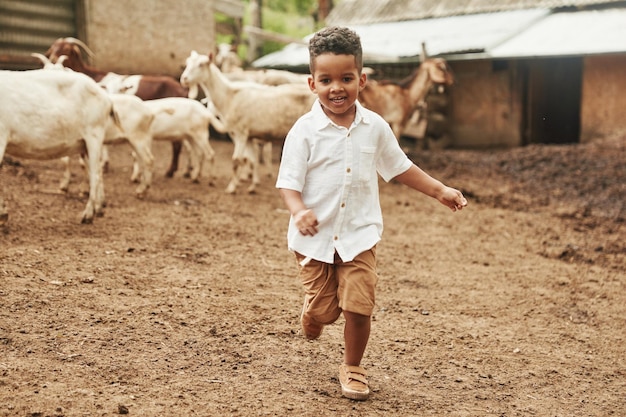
column 321, row 120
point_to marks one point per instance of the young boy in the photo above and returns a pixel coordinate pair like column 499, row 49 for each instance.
column 328, row 181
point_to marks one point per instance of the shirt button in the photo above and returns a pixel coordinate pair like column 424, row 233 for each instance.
column 348, row 170
column 336, row 237
column 343, row 205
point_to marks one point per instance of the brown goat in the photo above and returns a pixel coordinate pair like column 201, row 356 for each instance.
column 396, row 102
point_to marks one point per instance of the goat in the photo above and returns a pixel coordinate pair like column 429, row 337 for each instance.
column 397, row 102
column 179, row 119
column 135, row 119
column 146, row 87
column 227, row 59
column 47, row 64
column 229, row 63
column 58, row 65
column 268, row 76
column 247, row 110
column 261, row 151
column 174, row 119
column 50, row 114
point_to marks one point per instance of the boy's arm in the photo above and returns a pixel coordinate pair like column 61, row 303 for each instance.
column 419, row 180
column 304, row 218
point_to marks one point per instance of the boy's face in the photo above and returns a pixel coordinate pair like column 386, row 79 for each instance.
column 337, row 82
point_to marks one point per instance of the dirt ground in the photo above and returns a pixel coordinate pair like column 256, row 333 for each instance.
column 186, row 303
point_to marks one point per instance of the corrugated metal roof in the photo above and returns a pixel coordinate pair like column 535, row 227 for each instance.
column 358, row 12
column 292, row 55
column 579, row 33
column 521, row 33
column 396, row 41
column 446, row 35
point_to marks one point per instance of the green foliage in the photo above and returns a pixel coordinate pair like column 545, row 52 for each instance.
column 299, row 7
column 293, row 25
column 219, row 37
column 292, row 18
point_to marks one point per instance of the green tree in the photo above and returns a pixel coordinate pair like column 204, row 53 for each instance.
column 294, row 18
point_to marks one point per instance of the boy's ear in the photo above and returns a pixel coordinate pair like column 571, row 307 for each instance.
column 311, row 82
column 362, row 81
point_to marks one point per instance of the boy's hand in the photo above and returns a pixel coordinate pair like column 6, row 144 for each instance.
column 453, row 199
column 306, row 222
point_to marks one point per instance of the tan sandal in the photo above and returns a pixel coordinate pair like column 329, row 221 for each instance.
column 353, row 380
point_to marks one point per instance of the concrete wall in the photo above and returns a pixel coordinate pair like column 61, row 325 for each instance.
column 148, row 36
column 603, row 97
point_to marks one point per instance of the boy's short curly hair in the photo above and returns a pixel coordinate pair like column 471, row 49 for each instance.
column 335, row 40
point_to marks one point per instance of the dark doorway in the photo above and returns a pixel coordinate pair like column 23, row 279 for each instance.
column 553, row 100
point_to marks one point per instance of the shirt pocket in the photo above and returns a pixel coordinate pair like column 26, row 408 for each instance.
column 366, row 163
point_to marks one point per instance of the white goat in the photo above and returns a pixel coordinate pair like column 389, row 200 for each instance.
column 185, row 120
column 47, row 64
column 231, row 66
column 247, row 110
column 135, row 119
column 50, row 114
column 227, row 59
column 174, row 119
column 260, row 153
column 268, row 76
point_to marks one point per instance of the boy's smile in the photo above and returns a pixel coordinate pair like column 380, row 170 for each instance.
column 337, row 82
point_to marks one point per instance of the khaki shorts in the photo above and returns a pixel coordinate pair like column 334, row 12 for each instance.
column 332, row 288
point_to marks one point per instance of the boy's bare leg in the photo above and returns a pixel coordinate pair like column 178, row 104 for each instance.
column 352, row 377
column 356, row 334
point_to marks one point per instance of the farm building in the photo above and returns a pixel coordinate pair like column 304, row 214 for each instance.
column 131, row 37
column 541, row 71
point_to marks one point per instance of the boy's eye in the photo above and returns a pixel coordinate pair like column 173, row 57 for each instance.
column 325, row 80
column 347, row 79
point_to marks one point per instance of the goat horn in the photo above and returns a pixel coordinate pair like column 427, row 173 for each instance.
column 81, row 44
column 44, row 60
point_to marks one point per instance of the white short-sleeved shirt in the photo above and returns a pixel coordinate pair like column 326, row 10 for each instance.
column 336, row 170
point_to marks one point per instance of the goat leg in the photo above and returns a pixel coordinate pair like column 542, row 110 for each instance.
column 176, row 147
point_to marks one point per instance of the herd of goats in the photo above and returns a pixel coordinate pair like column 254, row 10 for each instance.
column 69, row 107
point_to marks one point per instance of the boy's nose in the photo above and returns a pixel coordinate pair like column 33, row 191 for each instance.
column 335, row 86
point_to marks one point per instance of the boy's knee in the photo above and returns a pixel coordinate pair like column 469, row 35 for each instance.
column 357, row 318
